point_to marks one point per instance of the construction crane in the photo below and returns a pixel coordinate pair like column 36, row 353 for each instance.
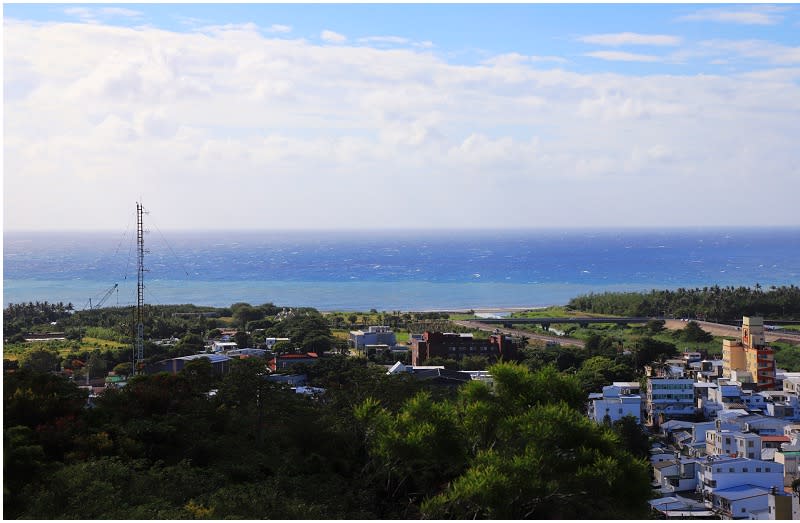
column 104, row 298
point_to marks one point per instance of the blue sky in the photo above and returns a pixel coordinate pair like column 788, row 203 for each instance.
column 324, row 104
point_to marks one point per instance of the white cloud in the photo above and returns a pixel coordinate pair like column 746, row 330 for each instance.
column 763, row 15
column 333, row 37
column 95, row 113
column 399, row 40
column 93, row 14
column 622, row 56
column 278, row 28
column 618, row 39
column 756, row 49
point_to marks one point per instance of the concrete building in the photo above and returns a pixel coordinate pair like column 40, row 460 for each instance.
column 733, row 443
column 219, row 363
column 374, row 335
column 751, row 355
column 615, row 402
column 720, row 473
column 669, row 398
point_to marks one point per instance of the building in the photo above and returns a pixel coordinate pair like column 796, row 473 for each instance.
column 615, row 402
column 456, row 346
column 283, row 361
column 725, row 472
column 733, row 443
column 669, row 398
column 219, row 363
column 751, row 355
column 223, row 346
column 374, row 335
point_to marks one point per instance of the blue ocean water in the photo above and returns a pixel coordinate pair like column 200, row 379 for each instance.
column 394, row 270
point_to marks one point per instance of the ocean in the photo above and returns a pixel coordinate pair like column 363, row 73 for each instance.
column 390, row 270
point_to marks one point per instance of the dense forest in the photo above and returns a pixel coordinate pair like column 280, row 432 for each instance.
column 719, row 304
column 373, row 446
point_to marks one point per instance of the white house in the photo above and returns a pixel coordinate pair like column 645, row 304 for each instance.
column 719, row 473
column 733, row 443
column 222, row 346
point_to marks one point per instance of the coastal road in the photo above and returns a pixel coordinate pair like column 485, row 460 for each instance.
column 476, row 325
column 720, row 329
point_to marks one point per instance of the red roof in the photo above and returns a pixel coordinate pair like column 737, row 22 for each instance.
column 782, row 439
column 297, row 356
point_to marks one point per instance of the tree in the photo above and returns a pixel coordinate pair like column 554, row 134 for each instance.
column 242, row 339
column 693, row 333
column 243, row 313
column 199, row 373
column 597, row 372
column 41, row 360
column 474, row 363
column 522, row 451
column 190, row 344
column 655, row 326
column 633, row 438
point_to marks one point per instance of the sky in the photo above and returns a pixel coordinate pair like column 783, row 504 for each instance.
column 404, row 116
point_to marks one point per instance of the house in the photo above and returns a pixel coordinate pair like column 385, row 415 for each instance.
column 733, row 443
column 678, row 507
column 789, row 456
column 222, row 346
column 677, row 475
column 614, row 402
column 741, row 502
column 719, row 473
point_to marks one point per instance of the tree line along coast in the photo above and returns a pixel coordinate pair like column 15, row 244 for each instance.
column 203, row 443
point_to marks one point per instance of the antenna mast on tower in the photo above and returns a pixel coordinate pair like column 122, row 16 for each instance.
column 138, row 348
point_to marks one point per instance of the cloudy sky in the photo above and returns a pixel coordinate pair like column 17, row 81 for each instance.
column 401, row 116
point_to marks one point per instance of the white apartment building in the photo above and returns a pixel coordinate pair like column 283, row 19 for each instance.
column 616, row 402
column 718, row 473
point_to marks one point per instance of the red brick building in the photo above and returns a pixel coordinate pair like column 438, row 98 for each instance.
column 456, row 346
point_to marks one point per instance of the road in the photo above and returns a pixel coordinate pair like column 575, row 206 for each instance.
column 719, row 329
column 476, row 325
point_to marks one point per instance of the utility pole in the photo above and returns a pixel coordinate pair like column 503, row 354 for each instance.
column 138, row 348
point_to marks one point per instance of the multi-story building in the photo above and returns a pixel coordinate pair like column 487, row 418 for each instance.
column 722, row 473
column 733, row 443
column 456, row 346
column 669, row 398
column 751, row 355
column 616, row 402
column 374, row 335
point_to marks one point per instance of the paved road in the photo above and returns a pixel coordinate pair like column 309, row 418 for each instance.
column 719, row 329
column 476, row 325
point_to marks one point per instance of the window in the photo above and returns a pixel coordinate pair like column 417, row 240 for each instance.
column 750, row 455
column 758, row 469
column 744, row 469
column 766, row 469
column 730, row 469
column 750, row 444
